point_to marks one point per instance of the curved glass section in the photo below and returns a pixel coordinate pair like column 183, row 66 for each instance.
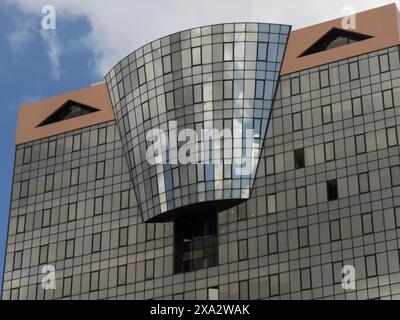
column 192, row 109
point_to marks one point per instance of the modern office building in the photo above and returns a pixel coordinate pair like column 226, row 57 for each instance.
column 318, row 188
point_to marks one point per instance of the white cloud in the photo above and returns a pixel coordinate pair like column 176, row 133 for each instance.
column 119, row 27
column 53, row 50
column 22, row 34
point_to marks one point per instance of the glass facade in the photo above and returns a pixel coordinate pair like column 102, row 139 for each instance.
column 325, row 193
column 220, row 77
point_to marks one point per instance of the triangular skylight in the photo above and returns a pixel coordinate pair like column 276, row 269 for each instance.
column 68, row 110
column 335, row 38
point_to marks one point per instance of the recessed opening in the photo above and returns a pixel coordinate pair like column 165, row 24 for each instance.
column 68, row 110
column 332, row 189
column 335, row 38
column 196, row 241
column 299, row 160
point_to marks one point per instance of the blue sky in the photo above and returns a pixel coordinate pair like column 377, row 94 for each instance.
column 92, row 35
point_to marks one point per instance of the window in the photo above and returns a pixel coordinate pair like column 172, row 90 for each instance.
column 68, row 110
column 72, row 212
column 347, row 111
column 27, row 155
column 354, row 74
column 371, row 265
column 228, row 89
column 326, row 114
column 96, row 242
column 49, row 182
column 24, row 189
column 52, row 149
column 150, row 231
column 279, row 163
column 396, row 96
column 334, row 38
column 239, row 51
column 388, row 99
column 196, row 241
column 149, row 273
column 242, row 212
column 17, row 260
column 391, row 136
column 384, row 62
column 69, row 248
column 363, row 68
column 363, row 182
column 196, row 56
column 213, row 293
column 329, row 151
column 360, row 144
column 270, row 165
column 98, row 205
column 271, row 203
column 301, row 197
column 74, row 176
column 297, row 121
column 295, row 85
column 397, row 212
column 303, row 237
column 243, row 249
column 142, row 75
column 395, row 175
column 100, row 170
column 124, row 199
column 299, row 160
column 228, row 51
column 335, row 230
column 102, row 136
column 305, row 83
column 262, row 51
column 94, row 281
column 357, row 106
column 272, row 243
column 43, row 252
column 305, row 279
column 274, row 284
column 332, row 190
column 121, row 275
column 367, row 223
column 244, row 290
column 123, row 236
column 259, row 94
column 21, row 224
column 307, row 120
column 285, row 86
column 67, row 286
column 324, row 78
column 167, row 64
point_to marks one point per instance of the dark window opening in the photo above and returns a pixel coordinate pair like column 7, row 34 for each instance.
column 331, row 186
column 299, row 161
column 196, row 242
column 68, row 110
column 335, row 38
